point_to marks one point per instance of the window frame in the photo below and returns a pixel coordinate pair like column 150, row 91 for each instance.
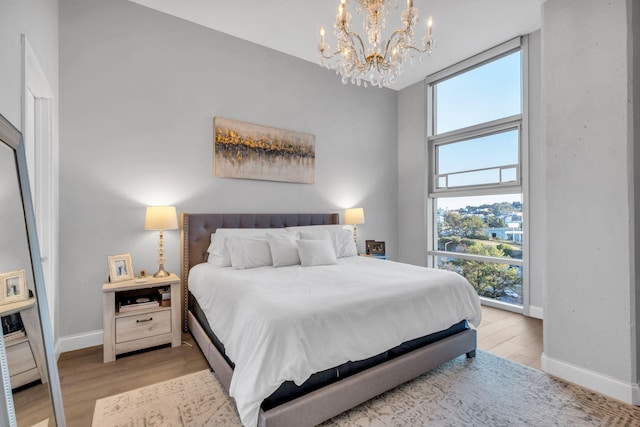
column 519, row 122
column 484, row 129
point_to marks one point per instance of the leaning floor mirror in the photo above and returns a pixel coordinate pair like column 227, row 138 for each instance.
column 30, row 383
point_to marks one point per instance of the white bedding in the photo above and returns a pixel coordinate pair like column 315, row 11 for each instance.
column 275, row 322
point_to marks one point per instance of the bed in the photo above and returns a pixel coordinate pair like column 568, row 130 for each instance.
column 324, row 382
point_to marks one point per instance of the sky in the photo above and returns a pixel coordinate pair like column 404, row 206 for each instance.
column 486, row 93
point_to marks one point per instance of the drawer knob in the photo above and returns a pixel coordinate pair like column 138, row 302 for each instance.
column 144, row 320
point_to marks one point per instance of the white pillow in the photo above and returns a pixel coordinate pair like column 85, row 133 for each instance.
column 341, row 239
column 316, row 252
column 314, row 235
column 248, row 252
column 343, row 243
column 218, row 252
column 284, row 250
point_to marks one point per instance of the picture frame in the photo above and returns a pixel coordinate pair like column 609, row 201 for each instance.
column 367, row 244
column 13, row 287
column 377, row 248
column 11, row 323
column 120, row 268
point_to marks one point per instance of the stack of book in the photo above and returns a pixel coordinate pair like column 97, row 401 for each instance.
column 165, row 297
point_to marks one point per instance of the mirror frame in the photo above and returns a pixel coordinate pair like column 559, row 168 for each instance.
column 13, row 139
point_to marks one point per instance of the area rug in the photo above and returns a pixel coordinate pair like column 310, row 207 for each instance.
column 484, row 391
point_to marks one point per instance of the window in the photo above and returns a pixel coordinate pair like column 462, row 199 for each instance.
column 479, row 160
column 477, row 180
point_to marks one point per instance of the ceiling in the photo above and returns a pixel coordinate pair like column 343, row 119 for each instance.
column 462, row 28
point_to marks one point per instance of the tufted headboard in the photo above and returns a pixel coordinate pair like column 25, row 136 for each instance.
column 196, row 229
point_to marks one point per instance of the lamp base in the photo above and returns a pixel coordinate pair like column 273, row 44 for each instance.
column 161, row 273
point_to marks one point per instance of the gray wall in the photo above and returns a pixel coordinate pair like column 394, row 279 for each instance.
column 412, row 174
column 38, row 20
column 140, row 90
column 635, row 149
column 537, row 182
column 586, row 81
column 413, row 169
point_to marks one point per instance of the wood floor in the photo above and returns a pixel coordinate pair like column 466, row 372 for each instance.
column 84, row 378
column 510, row 335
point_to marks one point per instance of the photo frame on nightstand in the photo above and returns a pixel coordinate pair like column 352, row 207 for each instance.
column 368, row 244
column 377, row 248
column 11, row 324
column 120, row 268
column 13, row 287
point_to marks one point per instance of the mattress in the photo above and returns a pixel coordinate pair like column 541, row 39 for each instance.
column 289, row 390
column 275, row 322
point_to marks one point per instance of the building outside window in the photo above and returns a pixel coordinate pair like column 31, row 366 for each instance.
column 477, row 140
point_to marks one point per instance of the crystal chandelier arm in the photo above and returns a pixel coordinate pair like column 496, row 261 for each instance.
column 340, row 51
column 356, row 36
column 325, row 56
column 409, row 17
column 396, row 37
column 426, row 49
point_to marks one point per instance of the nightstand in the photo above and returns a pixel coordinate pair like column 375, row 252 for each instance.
column 25, row 355
column 129, row 326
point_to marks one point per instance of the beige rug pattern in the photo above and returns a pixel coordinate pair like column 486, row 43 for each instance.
column 484, row 391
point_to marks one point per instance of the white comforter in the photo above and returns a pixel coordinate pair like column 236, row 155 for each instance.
column 275, row 322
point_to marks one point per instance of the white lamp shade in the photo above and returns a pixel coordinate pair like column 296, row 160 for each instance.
column 161, row 218
column 354, row 216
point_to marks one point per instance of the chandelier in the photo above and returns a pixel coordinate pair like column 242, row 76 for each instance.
column 380, row 62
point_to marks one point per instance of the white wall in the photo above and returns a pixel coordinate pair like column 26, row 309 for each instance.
column 588, row 335
column 140, row 90
column 413, row 169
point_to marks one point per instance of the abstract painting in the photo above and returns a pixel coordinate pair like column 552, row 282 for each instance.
column 250, row 151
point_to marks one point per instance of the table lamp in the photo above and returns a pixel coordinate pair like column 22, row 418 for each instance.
column 354, row 216
column 161, row 218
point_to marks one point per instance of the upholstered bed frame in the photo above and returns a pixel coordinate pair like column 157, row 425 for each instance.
column 330, row 400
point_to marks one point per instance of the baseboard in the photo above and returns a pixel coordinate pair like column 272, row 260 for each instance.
column 78, row 341
column 536, row 312
column 626, row 392
column 56, row 349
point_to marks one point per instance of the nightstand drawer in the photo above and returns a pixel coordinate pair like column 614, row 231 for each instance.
column 20, row 358
column 143, row 325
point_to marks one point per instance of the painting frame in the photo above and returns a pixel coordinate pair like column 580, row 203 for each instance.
column 120, row 268
column 250, row 151
column 14, row 287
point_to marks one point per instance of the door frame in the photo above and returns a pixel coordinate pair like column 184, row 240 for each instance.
column 45, row 168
